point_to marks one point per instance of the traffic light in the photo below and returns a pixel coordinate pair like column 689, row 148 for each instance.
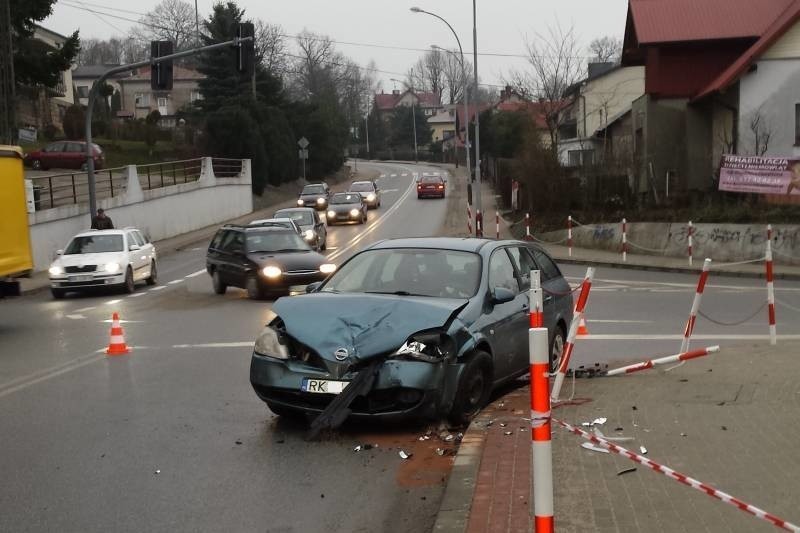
column 161, row 73
column 245, row 51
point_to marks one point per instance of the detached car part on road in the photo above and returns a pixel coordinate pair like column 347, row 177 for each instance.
column 440, row 321
column 263, row 260
column 104, row 258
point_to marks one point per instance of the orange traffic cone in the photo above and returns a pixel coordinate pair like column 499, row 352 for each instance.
column 116, row 345
column 582, row 329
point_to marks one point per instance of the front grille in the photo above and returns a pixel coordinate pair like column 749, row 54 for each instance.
column 77, row 269
column 375, row 402
column 302, row 272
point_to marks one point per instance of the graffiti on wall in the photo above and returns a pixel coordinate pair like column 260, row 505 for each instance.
column 787, row 239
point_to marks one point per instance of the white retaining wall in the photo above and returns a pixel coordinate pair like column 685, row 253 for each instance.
column 160, row 213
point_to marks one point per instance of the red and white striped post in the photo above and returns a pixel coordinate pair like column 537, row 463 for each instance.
column 469, row 220
column 569, row 345
column 497, row 225
column 541, row 447
column 773, row 333
column 646, row 365
column 624, row 240
column 698, row 295
column 681, row 478
column 528, row 236
column 569, row 234
column 691, row 231
column 478, row 224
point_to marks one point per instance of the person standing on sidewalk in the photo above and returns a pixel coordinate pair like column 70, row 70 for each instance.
column 101, row 221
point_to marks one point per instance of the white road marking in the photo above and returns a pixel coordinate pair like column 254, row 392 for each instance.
column 112, row 302
column 159, row 288
column 331, row 248
column 617, row 282
column 82, row 309
column 175, row 282
column 137, row 295
column 217, row 345
column 38, row 377
column 699, row 337
column 196, row 249
column 404, row 174
column 393, row 176
column 109, row 321
column 195, row 274
column 389, row 190
column 75, row 317
column 600, row 321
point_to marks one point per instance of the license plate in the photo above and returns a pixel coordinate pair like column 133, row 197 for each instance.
column 87, row 277
column 323, row 386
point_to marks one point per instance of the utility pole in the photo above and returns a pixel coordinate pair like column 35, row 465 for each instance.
column 477, row 191
column 8, row 99
column 414, row 122
column 196, row 23
column 366, row 127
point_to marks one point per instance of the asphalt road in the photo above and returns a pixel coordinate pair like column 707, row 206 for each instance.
column 172, row 438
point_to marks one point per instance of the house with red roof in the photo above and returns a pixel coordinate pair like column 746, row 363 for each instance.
column 429, row 102
column 721, row 76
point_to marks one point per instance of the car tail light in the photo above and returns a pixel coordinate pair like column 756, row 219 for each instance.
column 441, row 186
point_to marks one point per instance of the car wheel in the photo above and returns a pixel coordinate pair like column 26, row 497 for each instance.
column 474, row 388
column 216, row 282
column 153, row 279
column 58, row 293
column 286, row 412
column 254, row 291
column 36, row 164
column 557, row 348
column 129, row 286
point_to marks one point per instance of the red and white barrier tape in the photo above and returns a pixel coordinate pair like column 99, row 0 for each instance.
column 478, row 224
column 497, row 225
column 528, row 236
column 624, row 240
column 569, row 234
column 646, row 365
column 469, row 220
column 681, row 478
column 773, row 332
column 569, row 345
column 698, row 295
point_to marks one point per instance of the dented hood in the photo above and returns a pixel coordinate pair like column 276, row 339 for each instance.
column 366, row 325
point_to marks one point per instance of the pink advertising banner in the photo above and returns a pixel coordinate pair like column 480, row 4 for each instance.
column 761, row 175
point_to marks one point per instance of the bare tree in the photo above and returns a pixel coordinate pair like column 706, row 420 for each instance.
column 606, row 49
column 171, row 20
column 320, row 68
column 554, row 65
column 428, row 73
column 455, row 77
column 270, row 48
column 761, row 131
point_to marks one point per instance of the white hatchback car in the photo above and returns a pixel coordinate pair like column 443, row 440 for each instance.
column 104, row 258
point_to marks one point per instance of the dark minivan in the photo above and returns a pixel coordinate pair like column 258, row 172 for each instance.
column 263, row 260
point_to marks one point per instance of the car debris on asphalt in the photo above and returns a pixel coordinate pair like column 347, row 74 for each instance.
column 592, row 447
column 404, row 455
column 627, row 471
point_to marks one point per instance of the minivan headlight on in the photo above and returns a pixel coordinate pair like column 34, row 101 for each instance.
column 309, row 235
column 111, row 268
column 56, row 270
column 354, row 212
column 327, row 268
column 270, row 343
column 370, row 197
column 272, row 271
column 331, row 214
column 320, row 201
column 300, row 201
column 430, row 346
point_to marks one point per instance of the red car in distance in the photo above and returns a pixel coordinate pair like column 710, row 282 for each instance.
column 65, row 154
column 430, row 187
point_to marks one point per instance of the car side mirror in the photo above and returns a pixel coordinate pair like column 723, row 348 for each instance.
column 312, row 287
column 501, row 295
column 59, row 252
column 134, row 247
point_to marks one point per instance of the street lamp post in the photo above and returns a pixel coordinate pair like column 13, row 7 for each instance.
column 477, row 177
column 413, row 117
column 466, row 100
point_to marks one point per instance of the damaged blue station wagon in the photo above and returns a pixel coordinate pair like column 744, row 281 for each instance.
column 408, row 327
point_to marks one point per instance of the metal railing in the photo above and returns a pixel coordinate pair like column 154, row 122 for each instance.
column 226, row 168
column 158, row 175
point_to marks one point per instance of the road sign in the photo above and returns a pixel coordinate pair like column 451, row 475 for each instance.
column 303, row 154
column 303, row 143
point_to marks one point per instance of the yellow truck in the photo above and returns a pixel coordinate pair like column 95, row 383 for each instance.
column 15, row 242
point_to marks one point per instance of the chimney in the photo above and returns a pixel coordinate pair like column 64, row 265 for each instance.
column 396, row 92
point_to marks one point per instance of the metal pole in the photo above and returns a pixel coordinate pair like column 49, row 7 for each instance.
column 414, row 122
column 125, row 68
column 196, row 22
column 477, row 191
column 8, row 81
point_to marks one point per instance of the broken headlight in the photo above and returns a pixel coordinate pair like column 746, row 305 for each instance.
column 272, row 344
column 430, row 346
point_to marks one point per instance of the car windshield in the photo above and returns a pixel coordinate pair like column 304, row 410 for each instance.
column 344, row 198
column 313, row 189
column 409, row 272
column 303, row 218
column 362, row 186
column 275, row 241
column 94, row 244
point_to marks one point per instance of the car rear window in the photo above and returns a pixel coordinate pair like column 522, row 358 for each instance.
column 362, row 187
column 94, row 244
column 304, row 218
column 344, row 198
column 313, row 189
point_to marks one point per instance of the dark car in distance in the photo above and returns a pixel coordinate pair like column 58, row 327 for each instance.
column 65, row 154
column 311, row 226
column 430, row 187
column 263, row 260
column 413, row 327
column 315, row 195
column 346, row 207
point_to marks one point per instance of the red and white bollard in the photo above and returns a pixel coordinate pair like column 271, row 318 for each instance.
column 478, row 224
column 624, row 240
column 528, row 236
column 569, row 234
column 541, row 446
column 497, row 225
column 698, row 295
column 773, row 333
column 569, row 345
column 646, row 365
column 691, row 231
column 469, row 221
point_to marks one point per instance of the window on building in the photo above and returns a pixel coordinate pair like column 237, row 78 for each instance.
column 162, row 102
column 580, row 158
column 797, row 124
column 195, row 95
column 142, row 100
column 83, row 91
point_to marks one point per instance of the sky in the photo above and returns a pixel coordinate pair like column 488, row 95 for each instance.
column 503, row 25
